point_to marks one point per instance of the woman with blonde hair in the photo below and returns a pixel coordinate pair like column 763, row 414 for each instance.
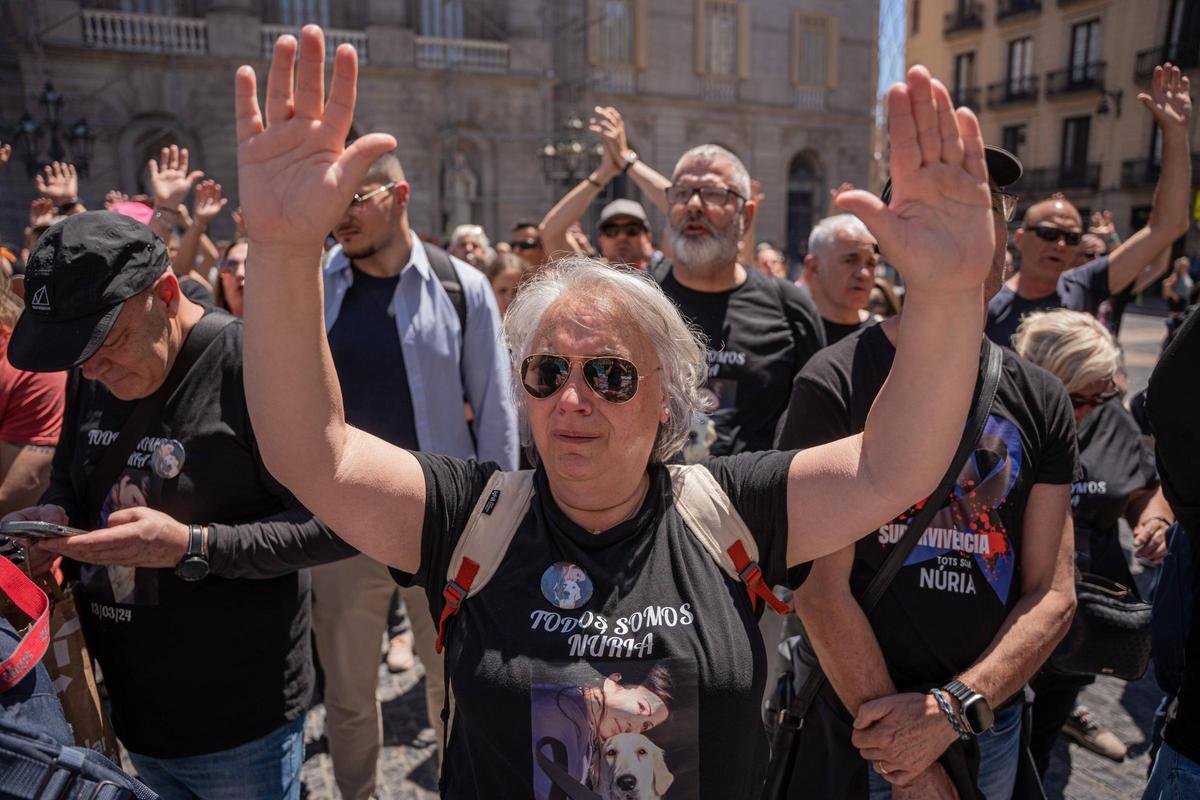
column 1117, row 479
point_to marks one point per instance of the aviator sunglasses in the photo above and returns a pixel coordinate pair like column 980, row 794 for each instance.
column 1050, row 234
column 613, row 378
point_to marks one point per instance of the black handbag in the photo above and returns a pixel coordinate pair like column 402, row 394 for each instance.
column 1110, row 634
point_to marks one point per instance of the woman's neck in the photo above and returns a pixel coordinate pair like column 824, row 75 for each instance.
column 602, row 515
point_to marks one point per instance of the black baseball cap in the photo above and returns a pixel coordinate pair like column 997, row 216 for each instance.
column 77, row 279
column 1002, row 167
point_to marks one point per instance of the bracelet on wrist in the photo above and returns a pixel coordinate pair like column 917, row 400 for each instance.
column 594, row 182
column 948, row 710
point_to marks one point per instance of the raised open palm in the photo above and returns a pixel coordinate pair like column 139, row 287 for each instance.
column 170, row 179
column 1169, row 100
column 296, row 177
column 937, row 229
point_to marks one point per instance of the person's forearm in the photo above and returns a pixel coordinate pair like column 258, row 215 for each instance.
column 846, row 646
column 567, row 211
column 746, row 252
column 653, row 184
column 929, row 389
column 283, row 543
column 1152, row 271
column 208, row 253
column 189, row 245
column 26, row 477
column 1168, row 216
column 1147, row 505
column 292, row 387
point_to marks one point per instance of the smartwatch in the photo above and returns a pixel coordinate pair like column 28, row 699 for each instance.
column 976, row 714
column 194, row 565
column 630, row 160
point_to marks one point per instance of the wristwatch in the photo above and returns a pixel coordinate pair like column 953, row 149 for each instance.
column 630, row 160
column 976, row 715
column 194, row 565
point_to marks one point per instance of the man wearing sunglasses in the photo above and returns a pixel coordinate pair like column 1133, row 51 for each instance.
column 405, row 363
column 1052, row 230
column 527, row 243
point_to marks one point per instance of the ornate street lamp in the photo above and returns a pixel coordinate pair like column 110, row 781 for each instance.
column 30, row 134
column 568, row 159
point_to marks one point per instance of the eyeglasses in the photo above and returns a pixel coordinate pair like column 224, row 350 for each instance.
column 359, row 199
column 231, row 264
column 1005, row 205
column 1088, row 401
column 679, row 195
column 526, row 244
column 613, row 378
column 1050, row 234
column 630, row 229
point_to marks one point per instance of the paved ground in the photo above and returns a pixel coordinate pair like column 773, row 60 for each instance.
column 410, row 761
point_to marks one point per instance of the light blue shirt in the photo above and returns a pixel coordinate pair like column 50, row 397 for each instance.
column 433, row 344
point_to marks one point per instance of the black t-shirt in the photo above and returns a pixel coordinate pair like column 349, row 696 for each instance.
column 1171, row 403
column 366, row 351
column 836, row 331
column 1081, row 289
column 191, row 668
column 759, row 335
column 635, row 603
column 948, row 601
column 1114, row 464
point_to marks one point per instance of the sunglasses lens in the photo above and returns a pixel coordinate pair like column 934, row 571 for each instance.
column 614, row 379
column 543, row 375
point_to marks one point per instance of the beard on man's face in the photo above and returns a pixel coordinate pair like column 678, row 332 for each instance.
column 709, row 253
column 366, row 250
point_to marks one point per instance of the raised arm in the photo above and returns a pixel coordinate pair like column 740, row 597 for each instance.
column 1171, row 106
column 296, row 177
column 611, row 127
column 939, row 233
column 573, row 206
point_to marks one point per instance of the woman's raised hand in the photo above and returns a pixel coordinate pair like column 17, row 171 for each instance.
column 296, row 176
column 938, row 229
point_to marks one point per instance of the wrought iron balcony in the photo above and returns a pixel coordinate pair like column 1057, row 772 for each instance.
column 1013, row 91
column 968, row 96
column 1139, row 173
column 1074, row 79
column 1006, row 9
column 1052, row 179
column 966, row 17
column 1184, row 54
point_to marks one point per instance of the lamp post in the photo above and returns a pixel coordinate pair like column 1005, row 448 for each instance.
column 567, row 159
column 31, row 133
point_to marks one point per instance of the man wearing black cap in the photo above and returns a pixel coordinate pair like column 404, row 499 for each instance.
column 1051, row 232
column 189, row 592
column 982, row 599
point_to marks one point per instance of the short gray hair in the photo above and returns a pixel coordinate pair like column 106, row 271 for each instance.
column 635, row 297
column 827, row 230
column 714, row 152
column 1074, row 346
column 470, row 230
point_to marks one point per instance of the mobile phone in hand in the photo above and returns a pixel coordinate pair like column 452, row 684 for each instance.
column 35, row 529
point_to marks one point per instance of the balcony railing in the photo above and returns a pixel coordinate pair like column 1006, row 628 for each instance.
column 144, row 33
column 1080, row 78
column 468, row 55
column 966, row 17
column 333, row 39
column 1013, row 8
column 1183, row 54
column 968, row 96
column 1013, row 91
column 1069, row 3
column 1139, row 173
column 1052, row 179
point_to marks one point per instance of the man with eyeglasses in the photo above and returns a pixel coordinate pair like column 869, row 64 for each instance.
column 1052, row 230
column 406, row 358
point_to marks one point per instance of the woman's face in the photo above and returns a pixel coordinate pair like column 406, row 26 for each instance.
column 505, row 286
column 1092, row 396
column 629, row 709
column 586, row 442
column 233, row 277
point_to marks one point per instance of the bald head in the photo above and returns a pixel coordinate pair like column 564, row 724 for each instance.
column 1057, row 207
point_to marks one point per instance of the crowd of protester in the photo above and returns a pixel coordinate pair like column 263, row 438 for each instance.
column 304, row 445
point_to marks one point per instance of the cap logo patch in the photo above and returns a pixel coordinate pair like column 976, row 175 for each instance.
column 41, row 300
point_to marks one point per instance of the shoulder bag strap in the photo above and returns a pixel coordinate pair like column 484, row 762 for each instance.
column 443, row 268
column 99, row 483
column 791, row 719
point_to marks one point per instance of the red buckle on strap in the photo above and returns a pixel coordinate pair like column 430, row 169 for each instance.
column 751, row 575
column 454, row 593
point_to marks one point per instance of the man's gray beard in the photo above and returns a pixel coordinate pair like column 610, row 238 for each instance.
column 708, row 254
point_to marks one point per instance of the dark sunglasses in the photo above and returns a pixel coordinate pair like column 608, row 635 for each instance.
column 1050, row 234
column 630, row 229
column 526, row 244
column 613, row 378
column 1080, row 401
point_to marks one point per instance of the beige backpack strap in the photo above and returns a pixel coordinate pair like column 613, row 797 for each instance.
column 490, row 529
column 710, row 516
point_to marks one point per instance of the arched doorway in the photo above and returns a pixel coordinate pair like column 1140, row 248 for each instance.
column 802, row 188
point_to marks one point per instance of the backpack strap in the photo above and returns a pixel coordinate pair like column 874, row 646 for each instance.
column 712, row 519
column 443, row 268
column 490, row 528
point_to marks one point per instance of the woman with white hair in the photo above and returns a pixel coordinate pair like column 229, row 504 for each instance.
column 607, row 376
column 1118, row 479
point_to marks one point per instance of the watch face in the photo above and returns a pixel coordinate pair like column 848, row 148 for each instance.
column 192, row 569
column 978, row 715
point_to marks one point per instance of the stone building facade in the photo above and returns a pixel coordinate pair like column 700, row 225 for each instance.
column 473, row 90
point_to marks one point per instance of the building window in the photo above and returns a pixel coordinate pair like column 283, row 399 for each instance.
column 720, row 21
column 802, row 191
column 916, row 15
column 964, row 91
column 1020, row 65
column 616, row 32
column 814, row 50
column 303, row 12
column 1085, row 50
column 1075, row 146
column 1012, row 139
column 442, row 19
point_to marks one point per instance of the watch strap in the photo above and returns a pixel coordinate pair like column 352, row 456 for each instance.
column 195, row 547
column 630, row 160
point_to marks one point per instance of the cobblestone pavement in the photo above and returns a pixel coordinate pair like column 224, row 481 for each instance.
column 409, row 761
